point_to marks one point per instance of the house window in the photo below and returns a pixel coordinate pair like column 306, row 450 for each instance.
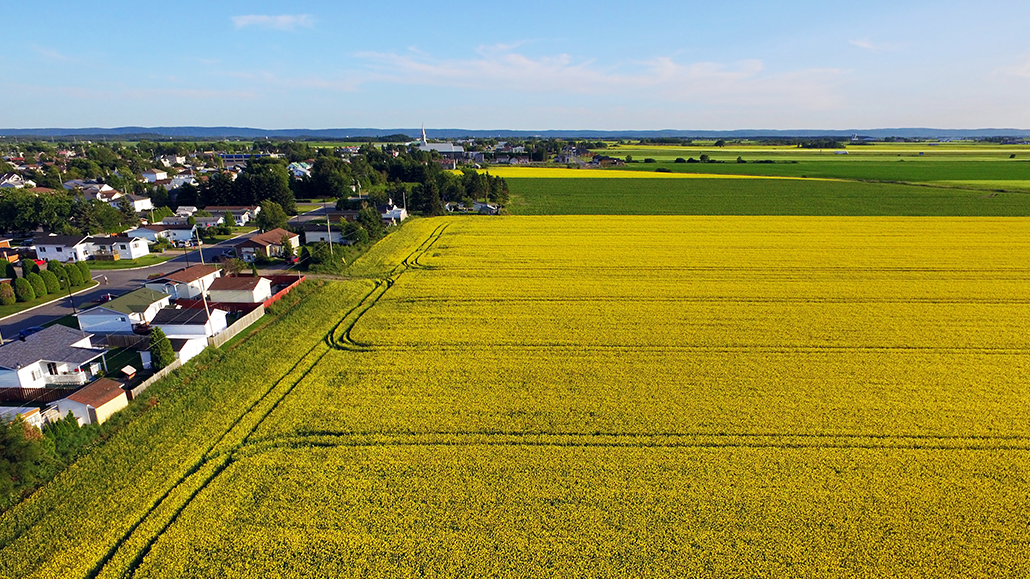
column 36, row 374
column 42, row 250
column 51, row 368
column 123, row 246
column 59, row 249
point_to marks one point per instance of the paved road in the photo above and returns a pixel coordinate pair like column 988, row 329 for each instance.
column 119, row 281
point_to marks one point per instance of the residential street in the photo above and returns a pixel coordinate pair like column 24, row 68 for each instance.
column 119, row 281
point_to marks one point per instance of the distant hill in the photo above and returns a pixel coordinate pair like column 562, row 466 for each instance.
column 165, row 133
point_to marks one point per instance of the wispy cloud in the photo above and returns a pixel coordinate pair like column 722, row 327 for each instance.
column 287, row 22
column 53, row 54
column 1019, row 69
column 866, row 44
column 499, row 68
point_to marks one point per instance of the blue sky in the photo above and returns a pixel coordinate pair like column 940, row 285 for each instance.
column 517, row 65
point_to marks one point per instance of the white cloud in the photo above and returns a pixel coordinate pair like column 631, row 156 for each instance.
column 498, row 68
column 287, row 22
column 1020, row 69
column 869, row 45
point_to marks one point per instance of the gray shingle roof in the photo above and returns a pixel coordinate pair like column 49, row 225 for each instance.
column 181, row 316
column 53, row 344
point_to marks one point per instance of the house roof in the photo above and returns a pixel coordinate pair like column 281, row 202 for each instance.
column 158, row 227
column 113, row 239
column 53, row 344
column 321, row 227
column 273, row 237
column 236, row 283
column 224, row 208
column 69, row 240
column 133, row 302
column 98, row 393
column 190, row 274
column 180, row 317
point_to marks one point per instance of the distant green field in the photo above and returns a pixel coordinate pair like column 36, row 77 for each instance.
column 908, row 170
column 751, row 197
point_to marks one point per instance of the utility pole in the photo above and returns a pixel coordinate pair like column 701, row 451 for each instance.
column 328, row 229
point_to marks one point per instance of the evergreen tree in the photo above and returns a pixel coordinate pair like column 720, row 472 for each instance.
column 161, row 353
column 83, row 268
column 7, row 296
column 53, row 285
column 37, row 283
column 74, row 276
column 23, row 290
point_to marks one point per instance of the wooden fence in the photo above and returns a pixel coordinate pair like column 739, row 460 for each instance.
column 240, row 325
column 157, row 376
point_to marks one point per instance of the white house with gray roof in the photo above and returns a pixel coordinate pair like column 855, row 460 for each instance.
column 57, row 355
column 122, row 314
column 64, row 247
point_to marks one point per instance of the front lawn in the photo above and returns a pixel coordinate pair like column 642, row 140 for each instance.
column 145, row 261
column 22, row 306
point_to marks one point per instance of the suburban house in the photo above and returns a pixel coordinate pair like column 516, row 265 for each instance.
column 186, row 210
column 64, row 247
column 315, row 232
column 138, row 202
column 122, row 314
column 13, row 181
column 118, row 247
column 170, row 232
column 109, row 196
column 267, row 244
column 201, row 222
column 241, row 213
column 486, row 208
column 392, row 214
column 30, row 414
column 154, row 175
column 169, row 160
column 95, row 403
column 187, row 283
column 190, row 323
column 243, row 289
column 57, row 355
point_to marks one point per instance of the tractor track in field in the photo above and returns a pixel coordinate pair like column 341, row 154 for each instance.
column 338, row 338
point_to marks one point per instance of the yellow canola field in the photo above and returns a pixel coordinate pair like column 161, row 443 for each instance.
column 646, row 397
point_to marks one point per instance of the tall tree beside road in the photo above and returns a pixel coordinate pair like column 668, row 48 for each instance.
column 271, row 216
column 265, row 179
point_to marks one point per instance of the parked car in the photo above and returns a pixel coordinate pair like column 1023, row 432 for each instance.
column 229, row 252
column 293, row 259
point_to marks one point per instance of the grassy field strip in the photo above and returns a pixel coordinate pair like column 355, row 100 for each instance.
column 559, row 173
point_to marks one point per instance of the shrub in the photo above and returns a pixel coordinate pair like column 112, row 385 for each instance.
column 663, row 170
column 7, row 297
column 650, row 160
column 680, row 160
column 7, row 269
column 23, row 290
column 29, row 266
column 74, row 276
column 84, row 270
column 38, row 286
column 53, row 285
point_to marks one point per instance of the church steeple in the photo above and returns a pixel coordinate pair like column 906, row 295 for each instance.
column 425, row 141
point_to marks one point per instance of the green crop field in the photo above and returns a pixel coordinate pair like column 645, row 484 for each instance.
column 588, row 396
column 534, row 196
